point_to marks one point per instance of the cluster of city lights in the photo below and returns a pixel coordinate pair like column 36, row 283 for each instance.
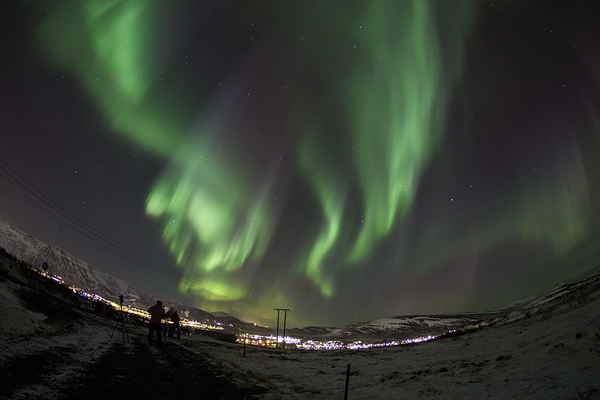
column 143, row 313
column 290, row 342
column 199, row 325
column 125, row 308
column 257, row 340
column 269, row 341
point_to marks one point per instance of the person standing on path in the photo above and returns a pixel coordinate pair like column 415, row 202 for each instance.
column 175, row 327
column 166, row 325
column 157, row 313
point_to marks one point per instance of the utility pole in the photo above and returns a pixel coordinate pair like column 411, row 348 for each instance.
column 277, row 334
column 285, row 310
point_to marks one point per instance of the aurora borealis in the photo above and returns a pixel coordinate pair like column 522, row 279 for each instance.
column 348, row 161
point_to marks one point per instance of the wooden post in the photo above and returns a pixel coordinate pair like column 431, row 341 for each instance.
column 285, row 310
column 277, row 334
column 284, row 319
column 347, row 382
column 245, row 338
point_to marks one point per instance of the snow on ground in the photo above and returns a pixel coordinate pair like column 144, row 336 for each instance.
column 550, row 357
column 16, row 319
column 85, row 346
column 27, row 334
column 554, row 354
column 23, row 329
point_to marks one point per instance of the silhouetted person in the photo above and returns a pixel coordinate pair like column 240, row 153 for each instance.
column 175, row 326
column 157, row 313
column 166, row 325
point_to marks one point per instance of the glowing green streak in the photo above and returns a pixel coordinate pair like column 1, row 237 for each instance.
column 214, row 290
column 214, row 222
column 402, row 106
column 108, row 44
column 400, row 89
column 332, row 201
column 215, row 218
column 119, row 41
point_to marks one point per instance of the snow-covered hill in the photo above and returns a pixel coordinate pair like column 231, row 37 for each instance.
column 17, row 242
column 72, row 270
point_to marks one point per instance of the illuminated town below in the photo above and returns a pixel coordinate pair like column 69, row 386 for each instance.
column 252, row 339
column 290, row 342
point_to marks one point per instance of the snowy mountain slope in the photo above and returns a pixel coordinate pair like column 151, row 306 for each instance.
column 72, row 270
column 78, row 273
column 397, row 328
column 21, row 245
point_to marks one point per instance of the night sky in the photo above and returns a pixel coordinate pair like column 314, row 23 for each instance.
column 347, row 160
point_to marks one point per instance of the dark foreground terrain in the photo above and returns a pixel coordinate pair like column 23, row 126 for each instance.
column 548, row 347
column 106, row 367
column 51, row 349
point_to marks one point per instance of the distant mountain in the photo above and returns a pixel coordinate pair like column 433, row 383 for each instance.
column 72, row 270
column 562, row 298
column 17, row 242
column 398, row 328
column 78, row 273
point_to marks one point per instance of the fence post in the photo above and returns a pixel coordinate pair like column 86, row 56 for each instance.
column 245, row 339
column 347, row 382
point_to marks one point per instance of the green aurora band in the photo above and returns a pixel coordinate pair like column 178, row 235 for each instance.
column 397, row 105
column 220, row 219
